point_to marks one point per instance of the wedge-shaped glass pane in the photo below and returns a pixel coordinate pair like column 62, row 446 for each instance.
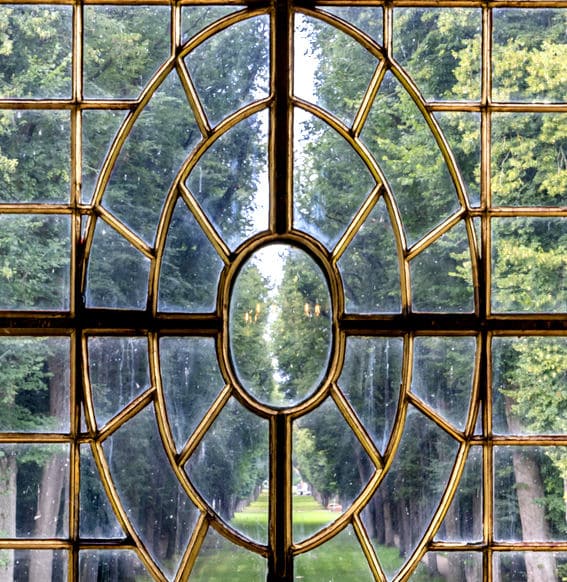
column 330, row 180
column 341, row 558
column 220, row 559
column 119, row 371
column 443, row 374
column 240, row 73
column 117, row 274
column 97, row 519
column 442, row 274
column 196, row 18
column 367, row 19
column 463, row 522
column 335, row 78
column 230, row 466
column 462, row 131
column 330, row 460
column 34, row 261
column 34, row 384
column 190, row 267
column 27, row 565
column 529, row 389
column 34, row 156
column 529, row 55
column 513, row 566
column 159, row 142
column 34, row 480
column 191, row 380
column 402, row 143
column 99, row 128
column 370, row 268
column 458, row 566
column 95, row 565
column 528, row 493
column 440, row 49
column 124, row 45
column 400, row 511
column 157, row 506
column 229, row 181
column 529, row 264
column 35, row 59
column 371, row 380
column 528, row 165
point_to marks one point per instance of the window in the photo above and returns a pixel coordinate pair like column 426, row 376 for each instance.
column 283, row 290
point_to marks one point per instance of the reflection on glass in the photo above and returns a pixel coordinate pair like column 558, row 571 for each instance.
column 34, row 259
column 348, row 562
column 190, row 266
column 241, row 68
column 123, row 565
column 371, row 380
column 117, row 275
column 280, row 324
column 526, row 159
column 399, row 138
column 230, row 180
column 458, row 566
column 514, row 566
column 30, row 565
column 370, row 268
column 124, row 45
column 335, row 78
column 35, row 59
column 35, row 145
column 330, row 469
column 529, row 265
column 443, row 375
column 34, row 384
column 157, row 506
column 441, row 50
column 230, row 470
column 220, row 559
column 330, row 180
column 191, row 380
column 528, row 493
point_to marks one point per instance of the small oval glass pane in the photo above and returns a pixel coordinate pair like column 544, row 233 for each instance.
column 280, row 325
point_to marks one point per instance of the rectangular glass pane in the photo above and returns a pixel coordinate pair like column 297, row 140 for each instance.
column 514, row 566
column 30, row 565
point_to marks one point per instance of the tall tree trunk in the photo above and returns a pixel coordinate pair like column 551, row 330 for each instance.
column 454, row 567
column 8, row 494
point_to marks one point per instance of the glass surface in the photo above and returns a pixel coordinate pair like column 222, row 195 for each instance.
column 528, row 493
column 124, row 565
column 335, row 79
column 97, row 519
column 30, row 565
column 35, row 58
column 528, row 165
column 196, row 18
column 371, row 380
column 398, row 136
column 220, row 560
column 370, row 268
column 514, row 566
column 34, row 384
column 235, row 491
column 440, row 49
column 330, row 180
column 280, row 325
column 528, row 265
column 124, row 45
column 118, row 372
column 190, row 267
column 528, row 385
column 34, row 158
column 157, row 506
column 34, row 259
column 443, row 374
column 191, row 381
column 368, row 19
column 454, row 566
column 240, row 73
column 34, row 480
column 230, row 180
column 528, row 55
column 341, row 558
column 117, row 274
column 160, row 140
column 330, row 468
